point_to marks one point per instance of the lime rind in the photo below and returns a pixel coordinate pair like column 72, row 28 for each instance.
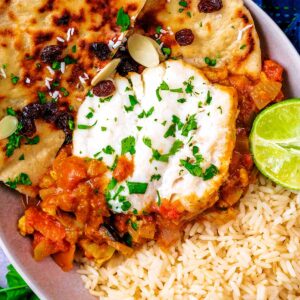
column 278, row 158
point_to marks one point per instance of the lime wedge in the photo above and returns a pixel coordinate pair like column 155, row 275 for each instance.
column 275, row 143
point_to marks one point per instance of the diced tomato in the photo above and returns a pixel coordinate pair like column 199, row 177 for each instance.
column 124, row 169
column 70, row 172
column 45, row 224
column 273, row 70
column 169, row 211
column 121, row 222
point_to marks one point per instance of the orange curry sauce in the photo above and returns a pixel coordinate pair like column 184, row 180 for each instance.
column 73, row 213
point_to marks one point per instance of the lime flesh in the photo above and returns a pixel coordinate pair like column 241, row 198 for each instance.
column 275, row 143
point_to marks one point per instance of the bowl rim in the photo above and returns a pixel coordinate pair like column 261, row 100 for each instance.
column 258, row 15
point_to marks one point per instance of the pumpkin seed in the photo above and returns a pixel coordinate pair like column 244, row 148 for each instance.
column 143, row 51
column 108, row 70
column 8, row 125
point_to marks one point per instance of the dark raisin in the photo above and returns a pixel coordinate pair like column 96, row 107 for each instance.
column 64, row 19
column 184, row 37
column 127, row 65
column 101, row 50
column 209, row 6
column 28, row 126
column 32, row 110
column 104, row 88
column 51, row 53
column 49, row 112
column 62, row 122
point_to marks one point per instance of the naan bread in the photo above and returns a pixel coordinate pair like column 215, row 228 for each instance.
column 37, row 158
column 227, row 35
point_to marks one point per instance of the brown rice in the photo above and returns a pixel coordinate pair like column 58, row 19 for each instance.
column 256, row 256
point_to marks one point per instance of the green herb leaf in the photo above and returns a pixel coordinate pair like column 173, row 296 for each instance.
column 56, row 65
column 17, row 287
column 147, row 141
column 133, row 102
column 193, row 169
column 126, row 205
column 210, row 62
column 183, row 3
column 64, row 91
column 190, row 125
column 147, row 114
column 181, row 100
column 71, row 124
column 123, row 19
column 83, row 126
column 155, row 177
column 158, row 198
column 171, row 131
column 128, row 145
column 22, row 179
column 166, row 51
column 112, row 184
column 70, row 60
column 189, row 86
column 210, row 172
column 137, row 187
column 208, row 98
column 42, row 97
column 74, row 48
column 10, row 111
column 22, row 157
column 14, row 79
column 32, row 141
column 134, row 225
column 108, row 150
column 14, row 141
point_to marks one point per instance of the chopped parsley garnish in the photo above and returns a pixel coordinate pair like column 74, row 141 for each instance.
column 102, row 100
column 190, row 125
column 193, row 169
column 83, row 126
column 89, row 93
column 32, row 141
column 14, row 141
column 14, row 79
column 243, row 47
column 90, row 115
column 133, row 102
column 64, row 91
column 22, row 179
column 147, row 141
column 70, row 60
column 135, row 211
column 155, row 177
column 74, row 48
column 171, row 131
column 134, row 225
column 71, row 124
column 114, row 165
column 181, row 100
column 10, row 111
column 108, row 150
column 166, row 51
column 158, row 198
column 112, row 184
column 126, row 205
column 137, row 187
column 163, row 87
column 139, row 128
column 128, row 145
column 183, row 3
column 158, row 29
column 156, row 155
column 127, row 238
column 177, row 121
column 189, row 14
column 212, row 62
column 56, row 65
column 147, row 114
column 103, row 128
column 189, row 88
column 123, row 19
column 42, row 97
column 208, row 98
column 210, row 172
column 22, row 157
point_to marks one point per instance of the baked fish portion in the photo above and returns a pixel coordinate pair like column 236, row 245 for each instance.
column 176, row 128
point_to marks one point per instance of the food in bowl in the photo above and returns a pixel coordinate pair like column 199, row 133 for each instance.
column 141, row 126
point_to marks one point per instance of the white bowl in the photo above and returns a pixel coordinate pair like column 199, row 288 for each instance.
column 45, row 278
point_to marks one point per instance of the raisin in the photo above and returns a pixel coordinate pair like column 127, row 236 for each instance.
column 104, row 88
column 49, row 112
column 209, row 6
column 32, row 110
column 28, row 126
column 63, row 20
column 127, row 65
column 51, row 53
column 184, row 37
column 101, row 50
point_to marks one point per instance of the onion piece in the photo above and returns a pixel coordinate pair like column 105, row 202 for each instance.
column 8, row 125
column 143, row 51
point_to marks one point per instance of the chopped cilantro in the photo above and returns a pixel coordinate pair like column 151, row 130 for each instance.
column 189, row 88
column 171, row 131
column 22, row 157
column 71, row 124
column 166, row 51
column 114, row 165
column 147, row 114
column 190, row 125
column 158, row 198
column 103, row 128
column 155, row 177
column 83, row 126
column 137, row 187
column 128, row 145
column 181, row 100
column 158, row 29
column 127, row 238
column 163, row 87
column 243, row 47
column 193, row 169
column 42, row 97
column 106, row 99
column 14, row 141
column 56, row 65
column 156, row 155
column 74, row 48
column 112, row 184
column 90, row 115
column 10, row 111
column 123, row 19
column 126, row 205
column 189, row 14
column 133, row 102
column 134, row 225
column 135, row 211
column 177, row 121
column 210, row 172
column 22, row 179
column 139, row 128
column 64, row 91
column 147, row 141
column 179, row 90
column 210, row 62
column 108, row 150
column 183, row 3
column 208, row 98
column 32, row 141
column 14, row 79
column 69, row 60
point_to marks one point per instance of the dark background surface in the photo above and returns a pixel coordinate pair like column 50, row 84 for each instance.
column 286, row 13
